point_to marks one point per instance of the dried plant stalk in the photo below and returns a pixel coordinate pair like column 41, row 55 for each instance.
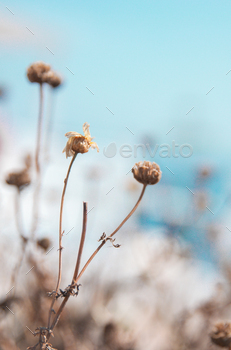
column 23, row 239
column 60, row 237
column 39, row 130
column 73, row 284
column 37, row 165
column 112, row 234
column 76, row 277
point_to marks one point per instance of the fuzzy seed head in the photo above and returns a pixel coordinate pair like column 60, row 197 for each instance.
column 52, row 79
column 36, row 72
column 147, row 173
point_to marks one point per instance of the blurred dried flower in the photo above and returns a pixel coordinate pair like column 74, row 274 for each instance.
column 78, row 143
column 36, row 72
column 44, row 243
column 205, row 172
column 52, row 79
column 19, row 179
column 221, row 335
column 147, row 173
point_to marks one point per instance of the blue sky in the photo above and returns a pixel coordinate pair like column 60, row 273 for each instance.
column 149, row 62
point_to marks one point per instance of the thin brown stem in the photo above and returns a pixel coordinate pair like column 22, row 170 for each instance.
column 39, row 130
column 37, row 165
column 79, row 256
column 112, row 234
column 82, row 240
column 60, row 237
column 22, row 237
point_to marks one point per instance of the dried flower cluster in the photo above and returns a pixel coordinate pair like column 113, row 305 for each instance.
column 147, row 173
column 39, row 72
column 78, row 143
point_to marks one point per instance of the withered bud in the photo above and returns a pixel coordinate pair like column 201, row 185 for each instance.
column 80, row 145
column 19, row 179
column 52, row 79
column 44, row 243
column 36, row 71
column 221, row 335
column 147, row 173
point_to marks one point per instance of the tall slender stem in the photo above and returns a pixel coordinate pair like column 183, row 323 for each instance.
column 112, row 234
column 60, row 237
column 22, row 237
column 82, row 240
column 37, row 165
column 39, row 130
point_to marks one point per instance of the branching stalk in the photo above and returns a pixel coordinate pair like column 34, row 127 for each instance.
column 76, row 277
column 112, row 234
column 82, row 240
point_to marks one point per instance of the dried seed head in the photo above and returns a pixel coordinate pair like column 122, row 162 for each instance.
column 221, row 335
column 19, row 179
column 44, row 243
column 52, row 79
column 147, row 173
column 36, row 72
column 78, row 143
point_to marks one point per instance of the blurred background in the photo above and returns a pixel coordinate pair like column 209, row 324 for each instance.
column 146, row 76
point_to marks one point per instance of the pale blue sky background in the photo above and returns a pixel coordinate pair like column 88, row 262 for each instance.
column 149, row 62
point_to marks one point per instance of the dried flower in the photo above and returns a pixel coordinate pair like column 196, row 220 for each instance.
column 36, row 72
column 52, row 79
column 221, row 335
column 44, row 243
column 19, row 179
column 147, row 173
column 78, row 143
